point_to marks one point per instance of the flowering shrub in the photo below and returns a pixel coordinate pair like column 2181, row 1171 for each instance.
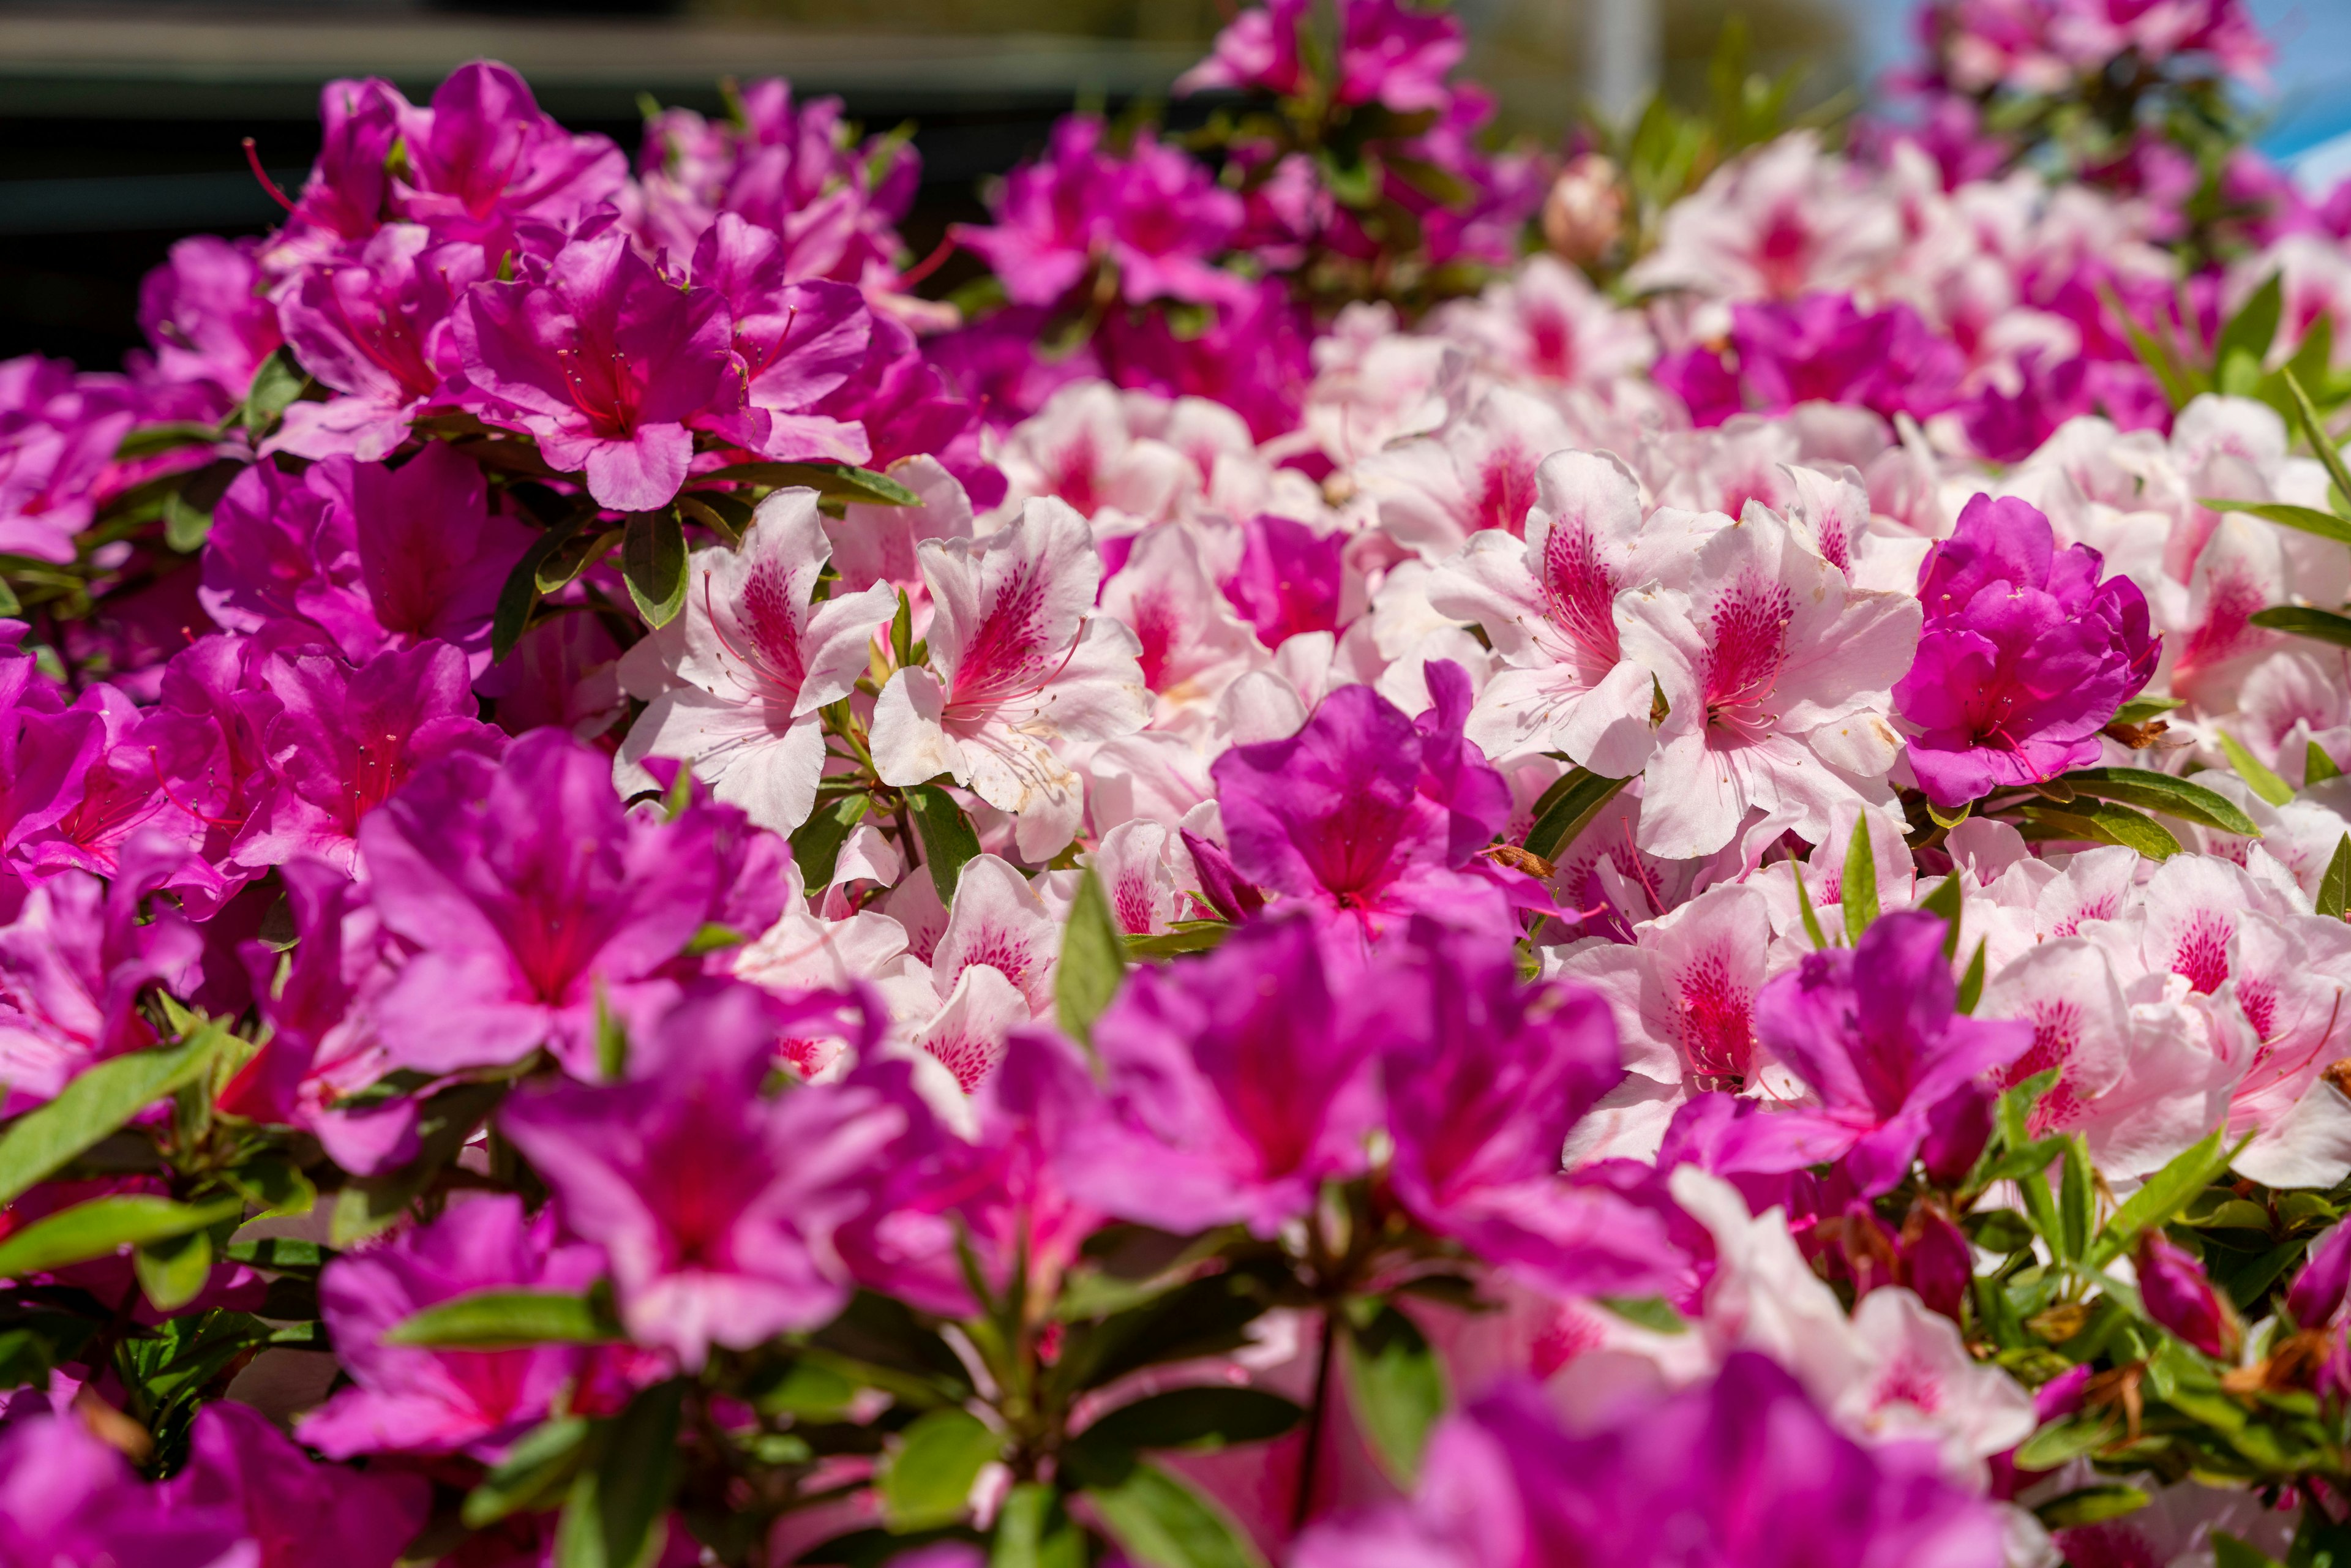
column 1404, row 852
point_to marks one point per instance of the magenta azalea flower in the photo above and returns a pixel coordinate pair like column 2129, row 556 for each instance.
column 2024, row 657
column 603, row 360
column 534, row 901
column 716, row 1206
column 292, row 1506
column 408, row 1400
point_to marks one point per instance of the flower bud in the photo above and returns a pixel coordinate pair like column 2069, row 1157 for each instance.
column 1957, row 1128
column 1585, row 212
column 2179, row 1297
column 2317, row 1292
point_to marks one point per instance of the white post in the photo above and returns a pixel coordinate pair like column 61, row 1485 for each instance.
column 1626, row 49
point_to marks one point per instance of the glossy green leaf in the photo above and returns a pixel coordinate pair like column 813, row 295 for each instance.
column 1034, row 1530
column 2099, row 821
column 169, row 435
column 949, row 838
column 1945, row 901
column 1093, row 960
column 172, row 1270
column 2317, row 767
column 564, row 563
column 1820, row 939
column 534, row 1475
column 2090, row 1504
column 275, row 384
column 615, row 1516
column 2249, row 332
column 1208, row 1417
column 2077, row 1200
column 2260, row 778
column 2305, row 519
column 104, row 1226
column 1183, row 937
column 652, row 562
column 2314, row 430
column 42, row 1141
column 1161, row 1521
column 2228, row 1552
column 834, row 481
column 2303, row 620
column 712, row 938
column 1858, row 892
column 2140, row 710
column 1566, row 809
column 500, row 1320
column 816, row 844
column 2335, row 886
column 929, row 1479
column 1395, row 1387
column 2153, row 791
column 2160, row 1199
column 519, row 594
column 1652, row 1312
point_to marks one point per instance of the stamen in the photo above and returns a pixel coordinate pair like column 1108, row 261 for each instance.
column 253, row 161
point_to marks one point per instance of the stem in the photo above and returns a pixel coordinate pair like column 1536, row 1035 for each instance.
column 1313, row 1459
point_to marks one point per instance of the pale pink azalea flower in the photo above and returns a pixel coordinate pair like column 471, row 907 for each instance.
column 877, row 544
column 1546, row 323
column 1137, row 862
column 808, row 951
column 1784, row 220
column 1547, row 604
column 2298, row 697
column 1016, row 663
column 1831, row 512
column 1720, row 469
column 989, row 970
column 1081, row 448
column 1477, row 472
column 1777, row 678
column 1192, row 645
column 735, row 680
column 1893, row 1371
column 1374, row 384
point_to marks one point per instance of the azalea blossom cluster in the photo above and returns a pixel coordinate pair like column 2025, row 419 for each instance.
column 1303, row 884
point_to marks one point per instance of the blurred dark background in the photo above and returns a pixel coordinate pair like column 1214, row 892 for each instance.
column 120, row 119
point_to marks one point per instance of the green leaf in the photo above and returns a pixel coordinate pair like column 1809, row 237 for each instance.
column 172, row 1270
column 2335, row 886
column 1093, row 960
column 2067, row 1437
column 1181, row 937
column 9, row 604
column 2088, row 1505
column 1820, row 939
column 519, row 594
column 564, row 563
column 1161, row 1521
column 2264, row 783
column 2302, row 620
column 186, row 524
column 1210, row 1416
column 2228, row 1552
column 712, row 938
column 1566, row 809
column 2309, row 520
column 1971, row 984
column 2099, row 821
column 1034, row 1530
column 1857, row 894
column 2317, row 767
column 902, row 631
column 946, row 833
column 1652, row 1312
column 43, row 1141
column 501, row 1320
column 726, row 515
column 2314, row 430
column 2140, row 710
column 652, row 562
column 831, row 481
column 148, row 440
column 816, row 845
column 2250, row 332
column 615, row 1516
column 2153, row 791
column 370, row 1203
column 2077, row 1200
column 534, row 1475
column 2159, row 1200
column 278, row 382
column 105, row 1226
column 1397, row 1388
column 1945, row 901
column 930, row 1477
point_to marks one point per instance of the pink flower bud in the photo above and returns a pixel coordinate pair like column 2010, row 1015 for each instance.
column 2317, row 1292
column 1585, row 212
column 2179, row 1297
